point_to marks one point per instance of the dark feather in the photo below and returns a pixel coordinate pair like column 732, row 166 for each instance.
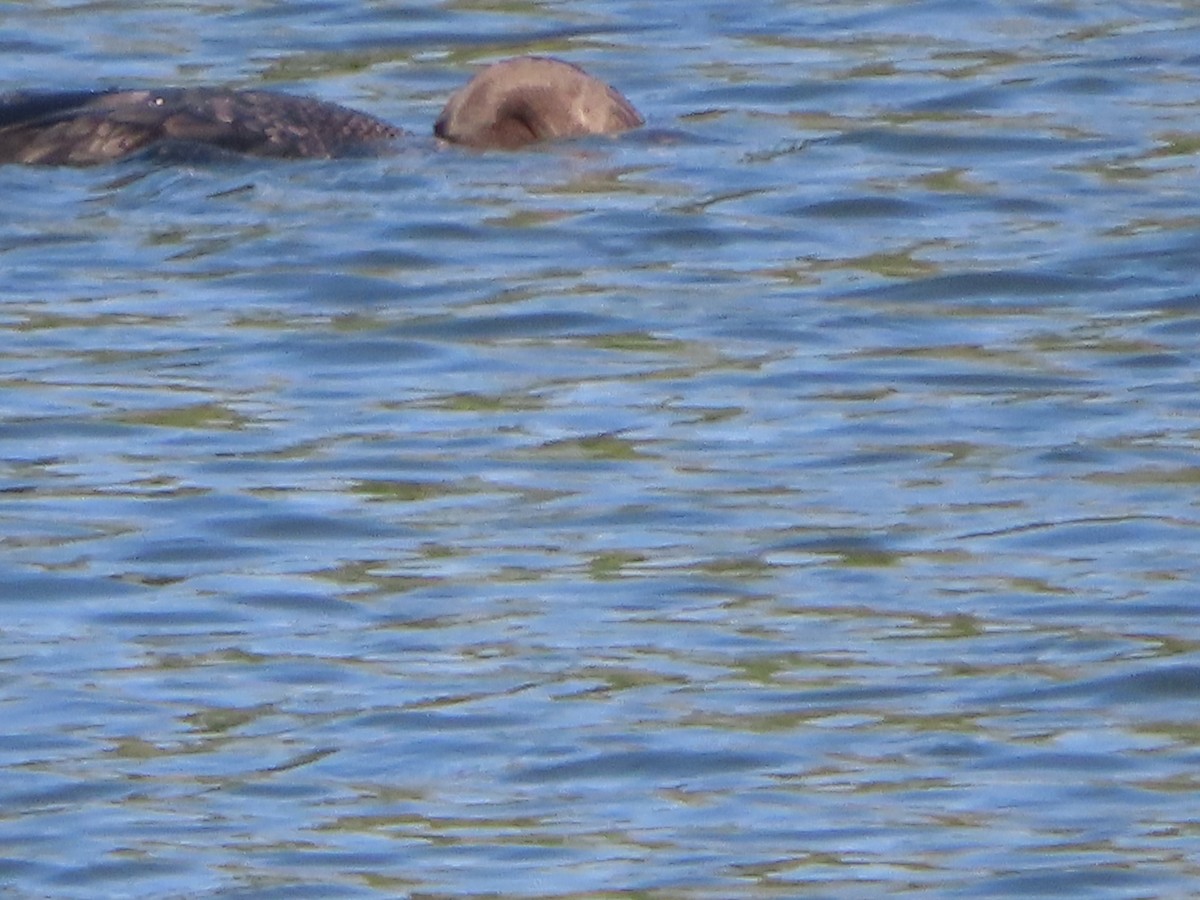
column 82, row 128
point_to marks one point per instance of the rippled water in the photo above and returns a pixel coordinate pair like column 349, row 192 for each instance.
column 798, row 497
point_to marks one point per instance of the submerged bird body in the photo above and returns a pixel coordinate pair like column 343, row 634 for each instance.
column 82, row 128
column 507, row 105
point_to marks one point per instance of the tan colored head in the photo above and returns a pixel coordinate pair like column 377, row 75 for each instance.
column 532, row 98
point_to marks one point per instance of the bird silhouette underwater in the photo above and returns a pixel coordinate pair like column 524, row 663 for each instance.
column 508, row 105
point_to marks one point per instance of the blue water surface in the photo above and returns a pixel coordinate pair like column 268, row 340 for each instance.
column 798, row 497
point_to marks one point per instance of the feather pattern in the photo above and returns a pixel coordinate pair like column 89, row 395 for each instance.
column 83, row 128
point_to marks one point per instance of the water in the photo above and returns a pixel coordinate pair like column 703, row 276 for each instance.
column 797, row 498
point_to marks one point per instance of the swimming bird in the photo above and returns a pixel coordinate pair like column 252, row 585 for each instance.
column 532, row 98
column 506, row 106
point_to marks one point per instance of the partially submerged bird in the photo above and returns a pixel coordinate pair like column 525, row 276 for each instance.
column 85, row 128
column 532, row 98
column 507, row 105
